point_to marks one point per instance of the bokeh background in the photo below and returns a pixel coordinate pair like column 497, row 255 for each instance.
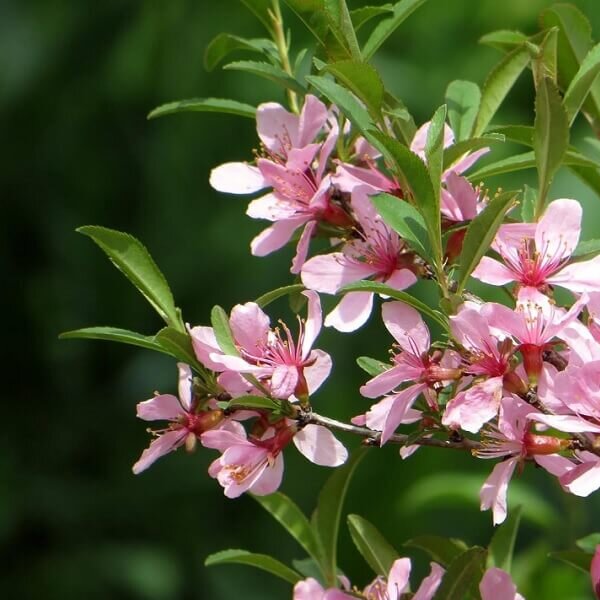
column 76, row 82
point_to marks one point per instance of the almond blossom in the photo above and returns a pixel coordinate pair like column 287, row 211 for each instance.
column 538, row 255
column 497, row 584
column 186, row 424
column 377, row 254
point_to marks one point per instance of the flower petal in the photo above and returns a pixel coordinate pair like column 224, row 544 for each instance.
column 430, row 584
column 302, row 247
column 249, row 325
column 320, row 446
column 493, row 272
column 284, row 381
column 327, row 273
column 162, row 407
column 496, row 584
column 237, row 178
column 162, row 445
column 407, row 327
column 493, row 491
column 278, row 235
column 352, row 312
column 318, row 371
column 185, row 385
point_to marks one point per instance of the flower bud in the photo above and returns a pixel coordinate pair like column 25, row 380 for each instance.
column 543, row 444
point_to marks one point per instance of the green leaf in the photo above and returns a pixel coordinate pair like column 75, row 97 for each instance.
column 544, row 59
column 463, row 99
column 589, row 543
column 134, row 261
column 415, row 176
column 259, row 561
column 286, row 290
column 589, row 176
column 287, row 513
column 502, row 546
column 179, row 345
column 375, row 549
column 405, row 220
column 461, row 580
column 456, row 151
column 220, row 322
column 575, row 558
column 386, row 27
column 312, row 14
column 582, row 83
column 225, row 43
column 498, row 84
column 480, row 233
column 442, row 550
column 528, row 204
column 521, row 134
column 550, row 136
column 329, row 511
column 345, row 101
column 363, row 15
column 371, row 365
column 113, row 334
column 587, row 249
column 261, row 10
column 363, row 81
column 257, row 402
column 309, row 568
column 574, row 43
column 342, row 27
column 503, row 39
column 268, row 71
column 381, row 288
column 434, row 151
column 220, row 105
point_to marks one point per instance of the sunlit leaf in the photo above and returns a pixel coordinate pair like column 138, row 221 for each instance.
column 374, row 548
column 528, row 204
column 220, row 323
column 363, row 15
column 462, row 98
column 179, row 345
column 503, row 39
column 582, row 83
column 287, row 290
column 220, row 105
column 371, row 365
column 225, row 43
column 113, row 334
column 268, row 71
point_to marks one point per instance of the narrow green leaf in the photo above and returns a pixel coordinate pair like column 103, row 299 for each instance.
column 130, row 256
column 502, row 546
column 456, row 151
column 442, row 550
column 220, row 322
column 414, row 174
column 312, row 14
column 405, row 220
column 286, row 512
column 402, row 120
column 434, row 151
column 363, row 81
column 480, row 233
column 463, row 99
column 363, row 15
column 268, row 71
column 381, row 288
column 582, row 83
column 550, row 136
column 589, row 175
column 503, row 39
column 257, row 402
column 113, row 334
column 544, row 59
column 461, row 580
column 179, row 345
column 385, row 28
column 371, row 365
column 587, row 249
column 329, row 512
column 521, row 134
column 309, row 568
column 589, row 543
column 286, row 290
column 575, row 558
column 375, row 549
column 261, row 10
column 498, row 84
column 345, row 101
column 341, row 25
column 204, row 105
column 259, row 561
column 225, row 43
column 528, row 204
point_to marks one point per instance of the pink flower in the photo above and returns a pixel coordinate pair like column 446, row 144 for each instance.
column 496, row 584
column 185, row 423
column 311, row 589
column 288, row 367
column 459, row 200
column 537, row 255
column 377, row 254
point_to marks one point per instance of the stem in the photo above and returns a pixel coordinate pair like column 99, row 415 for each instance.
column 282, row 48
column 372, row 437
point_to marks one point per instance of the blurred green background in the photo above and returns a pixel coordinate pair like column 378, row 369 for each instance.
column 76, row 82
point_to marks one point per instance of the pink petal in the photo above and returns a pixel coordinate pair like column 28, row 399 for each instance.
column 463, row 204
column 579, row 276
column 271, row 208
column 249, row 325
column 493, row 491
column 237, row 178
column 302, row 247
column 430, row 584
column 236, row 363
column 566, row 423
column 205, row 343
column 312, row 118
column 472, row 330
column 162, row 445
column 493, row 272
column 554, row 463
column 277, row 128
column 398, row 578
column 388, row 380
column 163, row 407
column 465, row 162
column 420, row 139
column 314, row 320
column 221, row 439
column 234, row 383
column 185, row 385
column 309, row 589
column 318, row 371
column 327, row 273
column 583, row 479
column 275, row 237
column 270, row 478
column 400, row 279
column 496, row 584
column 284, row 381
column 407, row 327
column 320, row 446
column 557, row 232
column 352, row 312
column 398, row 410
